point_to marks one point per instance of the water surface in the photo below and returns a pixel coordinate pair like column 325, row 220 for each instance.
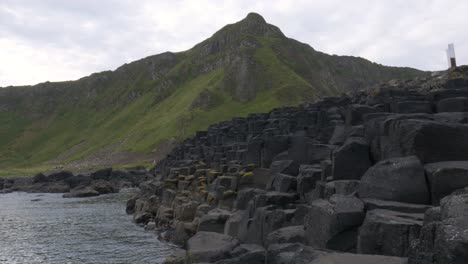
column 78, row 230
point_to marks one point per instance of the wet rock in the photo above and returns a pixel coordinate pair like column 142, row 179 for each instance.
column 398, row 179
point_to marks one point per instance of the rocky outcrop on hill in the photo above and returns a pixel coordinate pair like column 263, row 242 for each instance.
column 372, row 177
column 73, row 186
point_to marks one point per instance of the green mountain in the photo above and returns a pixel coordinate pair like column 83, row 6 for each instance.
column 139, row 110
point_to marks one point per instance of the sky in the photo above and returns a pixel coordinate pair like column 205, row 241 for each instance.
column 57, row 40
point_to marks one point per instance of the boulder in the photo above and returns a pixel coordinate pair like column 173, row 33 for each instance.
column 351, row 160
column 214, row 221
column 428, row 140
column 103, row 187
column 390, row 233
column 210, row 247
column 397, row 179
column 327, row 219
column 446, row 177
column 290, row 234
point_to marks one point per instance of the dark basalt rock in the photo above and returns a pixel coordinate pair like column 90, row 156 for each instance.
column 398, row 179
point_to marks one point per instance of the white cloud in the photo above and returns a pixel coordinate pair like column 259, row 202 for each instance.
column 60, row 40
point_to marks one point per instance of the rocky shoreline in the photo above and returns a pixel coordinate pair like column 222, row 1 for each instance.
column 379, row 176
column 81, row 185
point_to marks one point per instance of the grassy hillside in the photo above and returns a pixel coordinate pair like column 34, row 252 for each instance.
column 137, row 111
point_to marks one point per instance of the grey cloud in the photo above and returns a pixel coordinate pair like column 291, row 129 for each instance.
column 89, row 35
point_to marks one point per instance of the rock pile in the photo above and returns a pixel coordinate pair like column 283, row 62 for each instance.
column 99, row 182
column 374, row 177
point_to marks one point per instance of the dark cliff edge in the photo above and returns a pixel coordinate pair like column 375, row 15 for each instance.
column 377, row 176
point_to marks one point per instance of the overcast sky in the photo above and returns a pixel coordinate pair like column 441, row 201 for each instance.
column 54, row 40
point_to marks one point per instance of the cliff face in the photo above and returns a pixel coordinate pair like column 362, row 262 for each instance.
column 109, row 117
column 377, row 177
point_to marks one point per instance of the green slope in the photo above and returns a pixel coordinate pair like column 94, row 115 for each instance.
column 246, row 67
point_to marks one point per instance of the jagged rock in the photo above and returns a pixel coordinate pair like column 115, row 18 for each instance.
column 446, row 177
column 290, row 234
column 398, row 179
column 210, row 247
column 386, row 232
column 327, row 219
column 351, row 160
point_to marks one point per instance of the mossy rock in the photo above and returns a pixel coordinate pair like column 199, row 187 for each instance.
column 190, row 178
column 229, row 194
column 247, row 178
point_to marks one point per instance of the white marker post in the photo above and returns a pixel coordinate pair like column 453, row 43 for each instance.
column 452, row 62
